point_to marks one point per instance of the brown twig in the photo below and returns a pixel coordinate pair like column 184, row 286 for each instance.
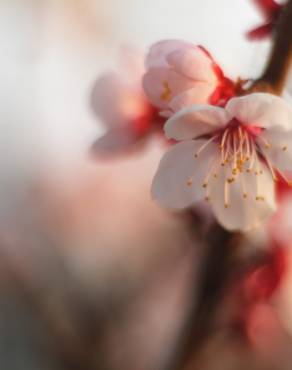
column 276, row 71
column 217, row 267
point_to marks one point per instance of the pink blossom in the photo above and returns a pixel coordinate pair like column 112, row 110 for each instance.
column 256, row 316
column 180, row 74
column 271, row 11
column 231, row 157
column 120, row 103
column 279, row 228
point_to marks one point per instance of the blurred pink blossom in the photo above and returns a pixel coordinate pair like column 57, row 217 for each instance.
column 257, row 317
column 118, row 100
column 279, row 228
column 180, row 74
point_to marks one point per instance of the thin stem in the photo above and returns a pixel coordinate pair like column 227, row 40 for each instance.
column 277, row 69
column 218, row 265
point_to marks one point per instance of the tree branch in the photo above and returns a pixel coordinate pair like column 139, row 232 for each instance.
column 218, row 265
column 276, row 72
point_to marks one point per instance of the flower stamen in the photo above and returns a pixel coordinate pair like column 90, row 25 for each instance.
column 214, row 166
column 204, row 146
column 265, row 141
column 243, row 186
column 270, row 166
column 226, row 194
column 166, row 93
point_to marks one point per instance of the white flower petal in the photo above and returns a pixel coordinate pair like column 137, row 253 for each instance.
column 200, row 94
column 116, row 101
column 158, row 52
column 192, row 63
column 161, row 85
column 261, row 110
column 243, row 213
column 153, row 82
column 170, row 184
column 117, row 140
column 279, row 150
column 194, row 121
column 109, row 91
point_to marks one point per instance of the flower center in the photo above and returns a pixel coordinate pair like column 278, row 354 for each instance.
column 243, row 151
column 237, row 147
column 243, row 156
column 166, row 93
column 239, row 154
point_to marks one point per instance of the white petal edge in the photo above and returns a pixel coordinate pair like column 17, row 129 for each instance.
column 194, row 121
column 243, row 214
column 193, row 63
column 279, row 150
column 262, row 110
column 170, row 186
column 199, row 94
column 156, row 56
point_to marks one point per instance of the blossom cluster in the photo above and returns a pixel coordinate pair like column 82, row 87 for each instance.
column 231, row 147
column 231, row 150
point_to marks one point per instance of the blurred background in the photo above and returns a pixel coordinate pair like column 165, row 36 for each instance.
column 93, row 274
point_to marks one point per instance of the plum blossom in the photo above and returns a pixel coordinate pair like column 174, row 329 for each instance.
column 120, row 103
column 231, row 157
column 179, row 74
column 271, row 11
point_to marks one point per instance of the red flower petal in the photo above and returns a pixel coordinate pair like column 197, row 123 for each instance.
column 261, row 32
column 268, row 7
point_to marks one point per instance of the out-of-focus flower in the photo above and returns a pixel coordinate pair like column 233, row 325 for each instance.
column 279, row 228
column 228, row 156
column 118, row 100
column 271, row 11
column 180, row 74
column 262, row 281
column 256, row 317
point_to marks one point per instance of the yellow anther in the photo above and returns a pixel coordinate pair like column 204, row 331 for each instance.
column 166, row 93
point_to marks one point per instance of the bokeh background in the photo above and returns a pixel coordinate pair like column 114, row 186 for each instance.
column 93, row 274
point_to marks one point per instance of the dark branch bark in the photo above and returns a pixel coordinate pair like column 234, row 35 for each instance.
column 218, row 265
column 276, row 72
